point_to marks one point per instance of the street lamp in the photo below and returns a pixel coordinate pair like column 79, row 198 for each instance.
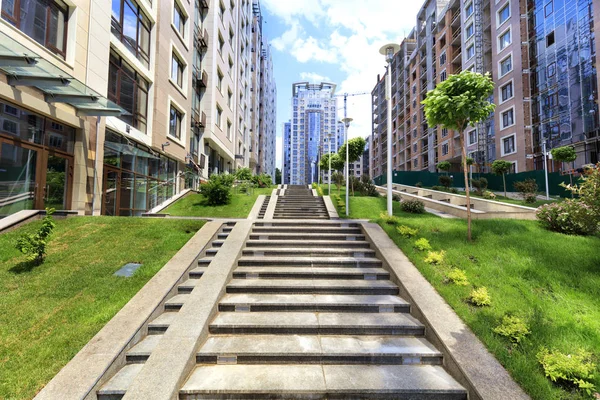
column 388, row 51
column 346, row 122
column 329, row 173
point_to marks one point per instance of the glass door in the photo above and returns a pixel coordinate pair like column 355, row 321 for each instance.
column 19, row 181
column 110, row 193
column 57, row 190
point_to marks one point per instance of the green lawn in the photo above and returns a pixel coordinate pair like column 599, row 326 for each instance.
column 194, row 205
column 550, row 279
column 48, row 313
column 520, row 202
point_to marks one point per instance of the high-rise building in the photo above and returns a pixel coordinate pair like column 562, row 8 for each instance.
column 313, row 119
column 128, row 106
column 522, row 44
column 268, row 114
column 286, row 173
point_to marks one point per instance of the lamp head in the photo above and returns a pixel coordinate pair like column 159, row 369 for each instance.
column 389, row 50
column 346, row 122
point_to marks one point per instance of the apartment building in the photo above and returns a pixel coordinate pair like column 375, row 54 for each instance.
column 116, row 111
column 286, row 173
column 520, row 43
column 268, row 115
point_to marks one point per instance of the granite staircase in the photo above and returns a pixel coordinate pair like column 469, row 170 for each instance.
column 298, row 202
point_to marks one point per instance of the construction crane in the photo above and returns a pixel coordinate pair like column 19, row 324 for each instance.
column 346, row 95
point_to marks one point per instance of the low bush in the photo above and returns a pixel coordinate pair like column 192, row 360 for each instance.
column 422, row 244
column 406, row 231
column 577, row 369
column 218, row 189
column 480, row 185
column 530, row 198
column 571, row 217
column 513, row 328
column 445, row 181
column 458, row 277
column 243, row 174
column 454, row 190
column 413, row 206
column 435, row 257
column 367, row 186
column 389, row 219
column 438, row 188
column 33, row 245
column 489, row 195
column 419, row 184
column 262, row 180
column 480, row 297
column 396, row 197
column 528, row 189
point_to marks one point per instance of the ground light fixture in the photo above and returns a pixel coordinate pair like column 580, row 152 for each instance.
column 346, row 122
column 388, row 51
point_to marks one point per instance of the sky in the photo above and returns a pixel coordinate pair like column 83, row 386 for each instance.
column 334, row 41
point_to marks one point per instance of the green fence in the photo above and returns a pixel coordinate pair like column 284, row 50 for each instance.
column 428, row 179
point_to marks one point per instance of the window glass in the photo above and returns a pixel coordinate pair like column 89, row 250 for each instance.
column 507, row 91
column 470, row 31
column 131, row 26
column 504, row 13
column 179, row 19
column 175, row 117
column 504, row 40
column 506, row 66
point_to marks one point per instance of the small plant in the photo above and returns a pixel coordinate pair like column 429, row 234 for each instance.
column 480, row 185
column 577, row 369
column 489, row 195
column 419, row 184
column 320, row 191
column 367, row 186
column 513, row 328
column 454, row 190
column 530, row 198
column 396, row 197
column 243, row 174
column 413, row 206
column 438, row 188
column 389, row 219
column 435, row 257
column 502, row 167
column 33, row 245
column 480, row 297
column 422, row 244
column 528, row 189
column 458, row 277
column 218, row 189
column 572, row 217
column 406, row 231
column 262, row 180
column 445, row 181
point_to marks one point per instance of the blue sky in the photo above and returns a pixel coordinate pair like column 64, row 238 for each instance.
column 333, row 40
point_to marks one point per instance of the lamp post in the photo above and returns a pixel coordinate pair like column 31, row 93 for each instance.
column 346, row 122
column 329, row 173
column 388, row 51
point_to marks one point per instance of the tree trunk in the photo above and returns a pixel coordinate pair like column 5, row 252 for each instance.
column 468, row 194
column 504, row 182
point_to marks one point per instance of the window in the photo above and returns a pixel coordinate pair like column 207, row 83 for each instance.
column 131, row 26
column 472, row 137
column 551, row 70
column 469, row 10
column 229, row 98
column 129, row 90
column 504, row 40
column 506, row 92
column 444, row 132
column 219, row 80
column 508, row 145
column 221, row 44
column 549, row 8
column 231, row 36
column 470, row 31
column 221, row 10
column 506, row 65
column 231, row 65
column 504, row 14
column 179, row 19
column 44, row 21
column 550, row 39
column 443, row 58
column 445, row 149
column 219, row 116
column 443, row 76
column 175, row 118
column 551, row 100
column 177, row 70
column 470, row 52
column 229, row 129
column 508, row 118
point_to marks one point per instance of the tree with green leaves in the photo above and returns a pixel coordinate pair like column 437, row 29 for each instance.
column 337, row 164
column 460, row 101
column 356, row 148
column 502, row 167
column 338, row 179
column 564, row 154
column 444, row 166
column 277, row 176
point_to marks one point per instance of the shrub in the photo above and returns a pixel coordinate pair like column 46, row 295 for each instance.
column 396, row 197
column 355, row 184
column 243, row 174
column 218, row 189
column 530, row 198
column 480, row 185
column 489, row 195
column 389, row 219
column 577, row 369
column 262, row 180
column 419, row 184
column 435, row 257
column 320, row 191
column 413, row 206
column 445, row 181
column 33, row 245
column 407, row 231
column 422, row 244
column 438, row 188
column 458, row 277
column 589, row 191
column 527, row 188
column 454, row 190
column 480, row 297
column 338, row 179
column 571, row 217
column 513, row 328
column 367, row 186
column 444, row 166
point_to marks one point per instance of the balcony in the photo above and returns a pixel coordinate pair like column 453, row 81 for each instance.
column 456, row 19
column 201, row 37
column 199, row 79
column 204, row 4
column 456, row 35
column 198, row 119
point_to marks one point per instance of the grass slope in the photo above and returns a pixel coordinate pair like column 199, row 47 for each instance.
column 195, row 205
column 552, row 280
column 48, row 313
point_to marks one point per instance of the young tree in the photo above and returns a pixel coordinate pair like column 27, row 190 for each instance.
column 501, row 167
column 460, row 101
column 338, row 179
column 356, row 148
column 564, row 154
column 337, row 164
column 444, row 166
column 277, row 176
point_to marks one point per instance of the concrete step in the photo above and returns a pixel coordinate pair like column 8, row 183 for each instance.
column 349, row 262
column 218, row 243
column 307, row 252
column 308, row 224
column 176, row 302
column 222, row 236
column 204, row 261
column 296, row 217
column 329, row 243
column 308, row 237
column 310, row 273
column 307, row 229
column 187, row 286
column 313, row 286
column 197, row 272
column 315, row 349
column 161, row 323
column 310, row 323
column 141, row 351
column 117, row 386
column 250, row 302
column 399, row 382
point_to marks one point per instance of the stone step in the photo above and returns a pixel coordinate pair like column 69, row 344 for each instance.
column 222, row 236
column 250, row 302
column 309, row 224
column 316, row 349
column 313, row 286
column 307, row 229
column 187, row 286
column 329, row 243
column 310, row 273
column 218, row 243
column 307, row 252
column 310, row 323
column 161, row 323
column 117, row 386
column 334, row 382
column 141, row 351
column 349, row 262
column 309, row 237
column 205, row 261
column 295, row 217
column 176, row 302
column 197, row 272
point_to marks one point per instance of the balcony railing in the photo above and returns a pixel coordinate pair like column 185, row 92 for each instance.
column 201, row 36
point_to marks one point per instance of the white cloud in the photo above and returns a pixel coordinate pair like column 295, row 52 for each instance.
column 313, row 77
